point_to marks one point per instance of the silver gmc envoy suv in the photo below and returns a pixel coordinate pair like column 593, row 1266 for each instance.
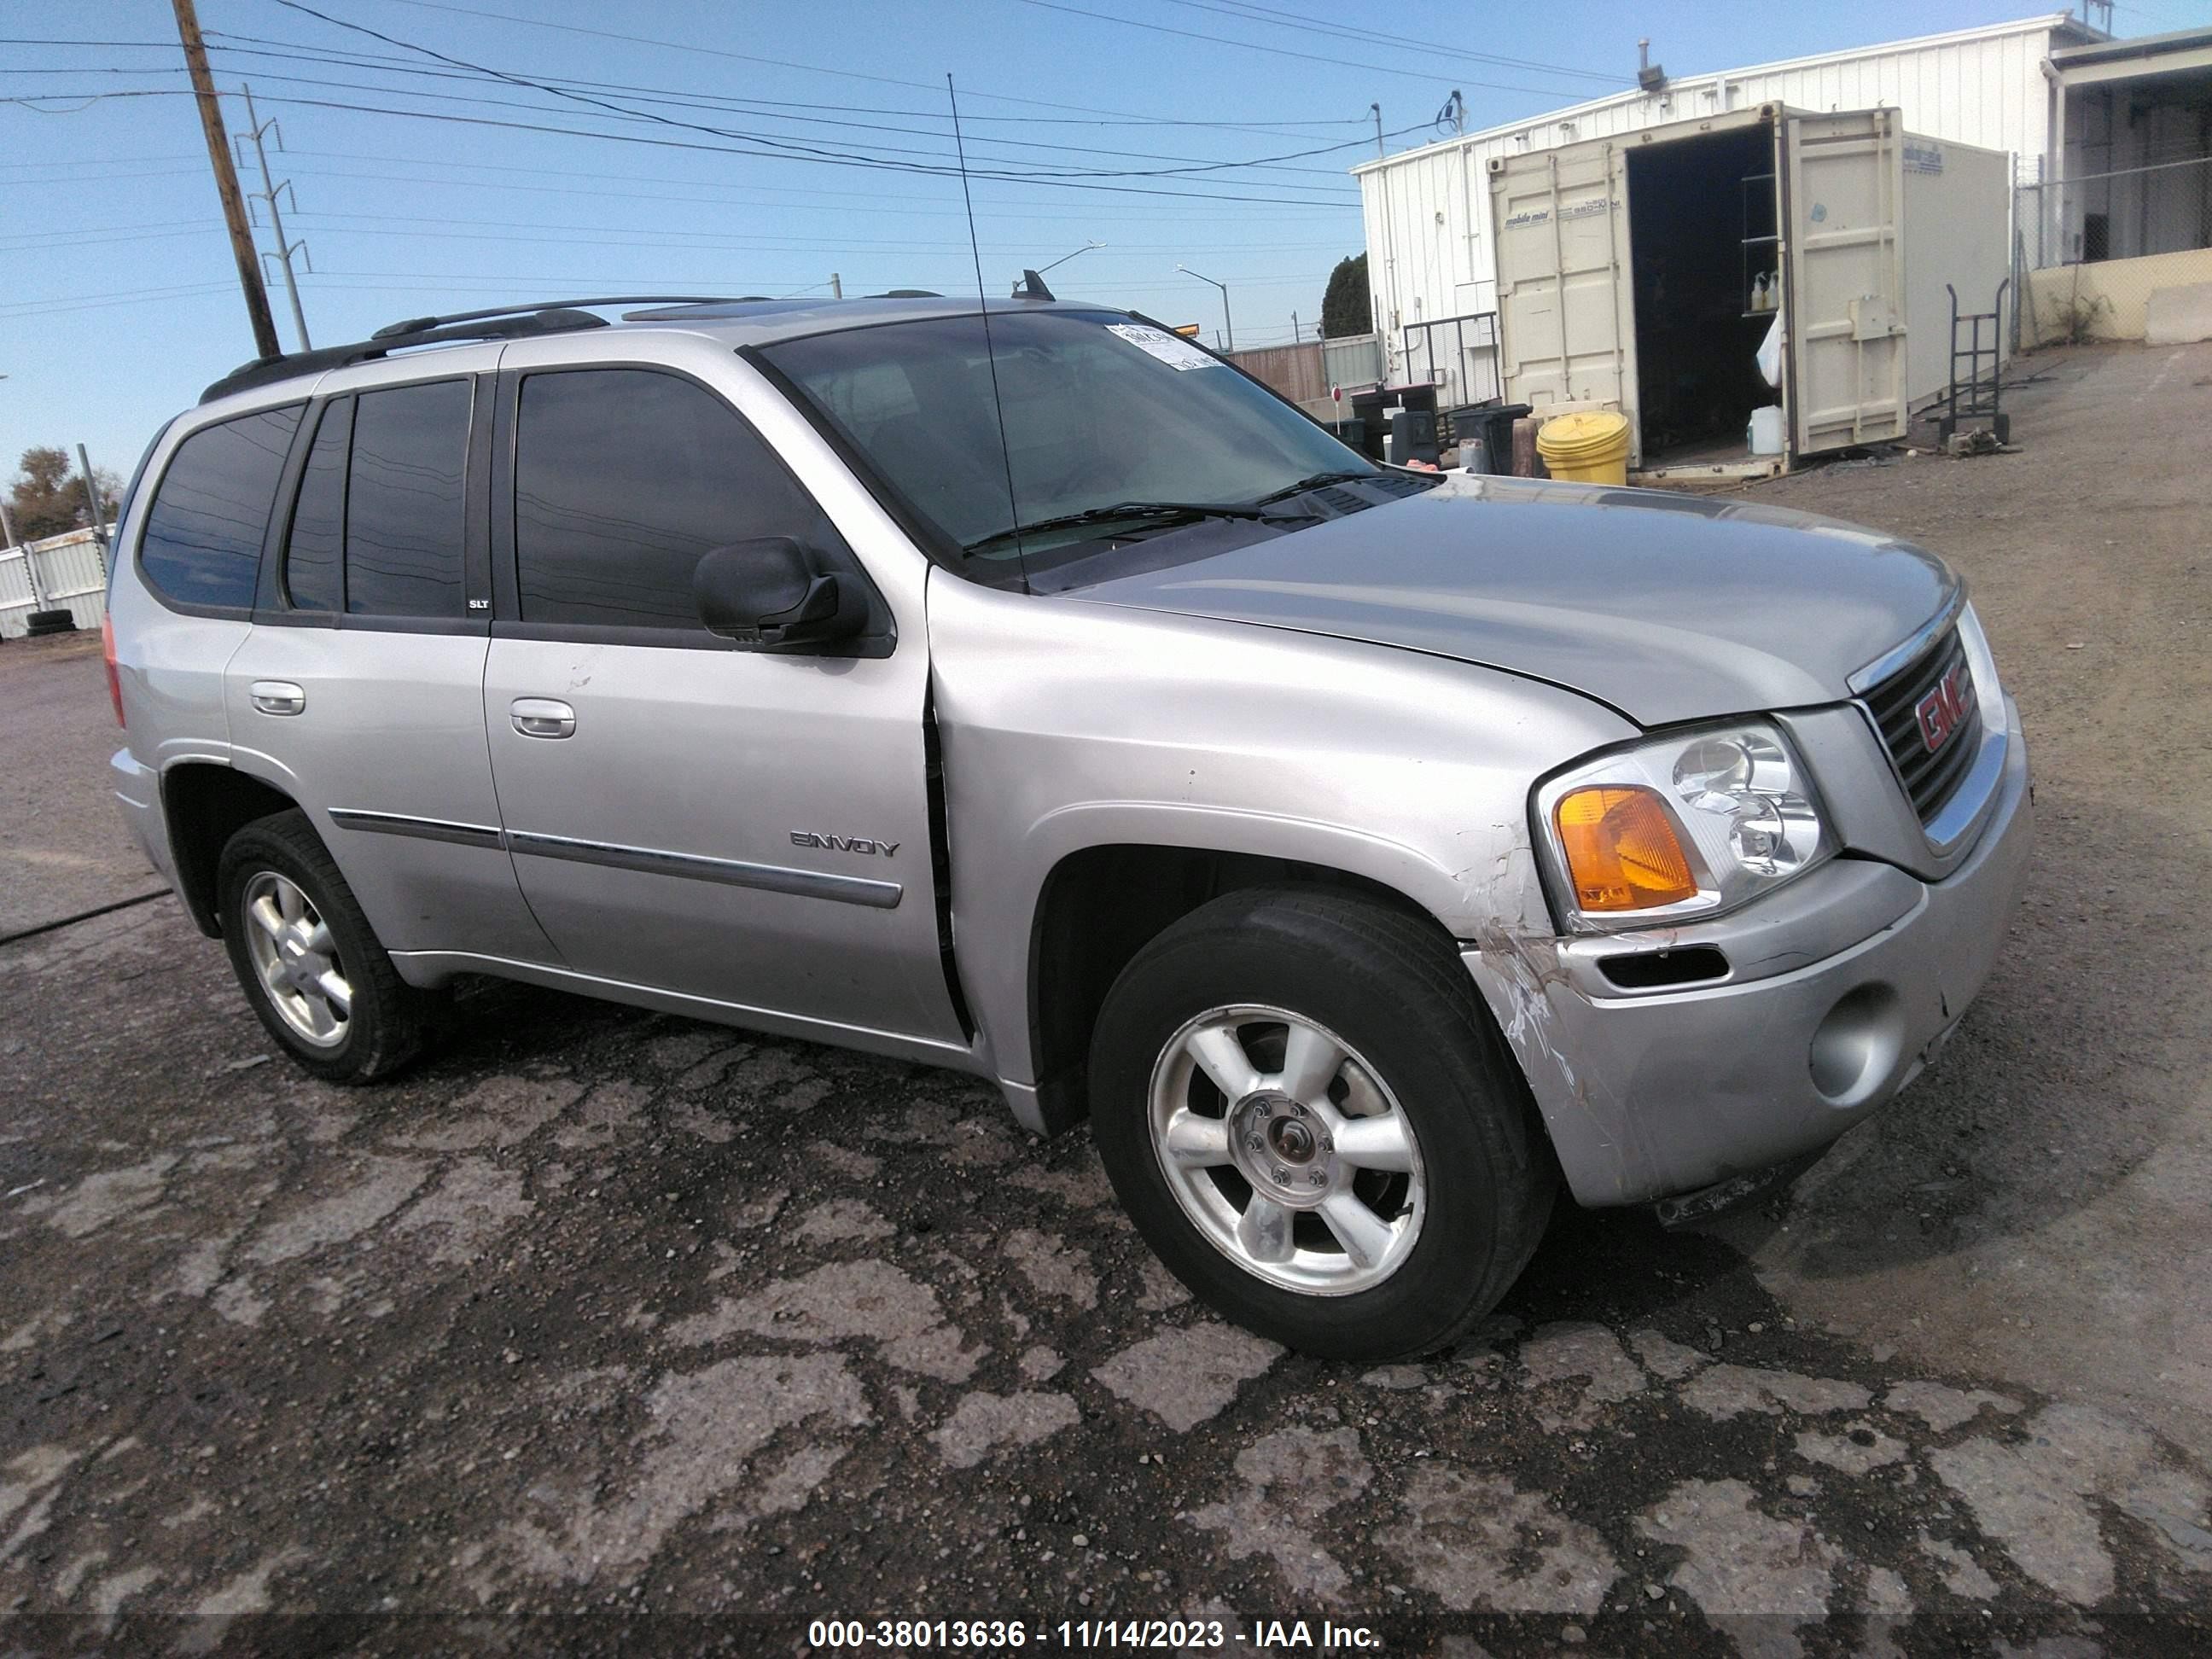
column 1027, row 691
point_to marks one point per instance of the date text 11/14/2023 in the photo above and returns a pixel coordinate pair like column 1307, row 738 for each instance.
column 1087, row 1635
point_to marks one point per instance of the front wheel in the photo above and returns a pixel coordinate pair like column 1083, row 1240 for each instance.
column 308, row 960
column 1312, row 1120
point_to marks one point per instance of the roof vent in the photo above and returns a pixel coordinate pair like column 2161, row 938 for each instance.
column 1649, row 75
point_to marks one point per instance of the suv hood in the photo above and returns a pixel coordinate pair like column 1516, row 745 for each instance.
column 1668, row 607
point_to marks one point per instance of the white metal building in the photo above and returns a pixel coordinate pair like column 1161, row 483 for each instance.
column 1430, row 244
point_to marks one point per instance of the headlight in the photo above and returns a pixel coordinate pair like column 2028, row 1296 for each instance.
column 1687, row 825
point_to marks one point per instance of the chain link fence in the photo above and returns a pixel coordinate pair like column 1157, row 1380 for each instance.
column 2092, row 250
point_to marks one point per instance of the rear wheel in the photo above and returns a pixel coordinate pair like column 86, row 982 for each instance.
column 1312, row 1120
column 308, row 960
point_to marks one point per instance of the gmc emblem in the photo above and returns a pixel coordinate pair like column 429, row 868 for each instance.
column 1943, row 711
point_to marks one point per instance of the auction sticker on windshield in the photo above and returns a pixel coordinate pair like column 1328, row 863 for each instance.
column 1175, row 352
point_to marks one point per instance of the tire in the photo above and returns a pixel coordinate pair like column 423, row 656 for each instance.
column 1460, row 1212
column 381, row 1022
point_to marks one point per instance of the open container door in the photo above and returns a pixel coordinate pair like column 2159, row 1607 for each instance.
column 1566, row 320
column 1843, row 212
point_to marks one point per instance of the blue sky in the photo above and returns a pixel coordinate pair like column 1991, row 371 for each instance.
column 121, row 300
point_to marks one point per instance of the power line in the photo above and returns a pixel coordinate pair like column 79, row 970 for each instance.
column 1087, row 211
column 1103, row 119
column 103, row 230
column 1433, row 78
column 787, row 144
column 889, row 150
column 785, row 153
column 1046, row 180
column 625, row 236
column 262, row 45
column 100, row 301
column 1247, row 11
column 695, row 49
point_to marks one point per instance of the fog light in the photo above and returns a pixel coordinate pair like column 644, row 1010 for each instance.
column 1856, row 1047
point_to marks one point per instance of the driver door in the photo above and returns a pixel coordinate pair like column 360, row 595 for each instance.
column 744, row 828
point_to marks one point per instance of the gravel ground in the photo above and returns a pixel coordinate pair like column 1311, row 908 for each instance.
column 599, row 1312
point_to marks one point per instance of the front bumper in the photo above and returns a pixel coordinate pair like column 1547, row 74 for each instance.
column 1840, row 989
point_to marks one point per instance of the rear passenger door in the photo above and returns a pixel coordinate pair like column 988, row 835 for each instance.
column 742, row 827
column 360, row 690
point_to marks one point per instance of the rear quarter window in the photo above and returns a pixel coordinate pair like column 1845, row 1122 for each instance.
column 202, row 546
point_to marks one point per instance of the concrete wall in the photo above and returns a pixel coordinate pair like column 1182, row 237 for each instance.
column 2110, row 297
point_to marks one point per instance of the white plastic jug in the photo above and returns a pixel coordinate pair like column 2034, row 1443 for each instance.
column 1764, row 436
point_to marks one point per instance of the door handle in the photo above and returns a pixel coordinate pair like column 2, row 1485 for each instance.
column 276, row 696
column 542, row 717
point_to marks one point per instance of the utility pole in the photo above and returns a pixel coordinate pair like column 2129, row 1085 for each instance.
column 99, row 513
column 836, row 286
column 269, row 192
column 1376, row 110
column 226, row 182
column 1296, row 337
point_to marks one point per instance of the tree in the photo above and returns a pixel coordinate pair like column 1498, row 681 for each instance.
column 48, row 498
column 1344, row 305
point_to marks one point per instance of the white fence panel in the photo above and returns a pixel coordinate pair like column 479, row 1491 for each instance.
column 62, row 573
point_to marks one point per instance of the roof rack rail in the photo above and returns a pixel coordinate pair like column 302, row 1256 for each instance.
column 496, row 323
column 416, row 325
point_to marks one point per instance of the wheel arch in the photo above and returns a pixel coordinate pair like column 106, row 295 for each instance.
column 1099, row 905
column 204, row 803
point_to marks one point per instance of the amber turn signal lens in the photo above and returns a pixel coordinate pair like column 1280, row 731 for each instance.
column 1622, row 854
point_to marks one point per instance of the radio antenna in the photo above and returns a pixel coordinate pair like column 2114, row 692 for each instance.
column 990, row 357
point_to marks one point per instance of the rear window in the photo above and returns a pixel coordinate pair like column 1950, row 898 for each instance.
column 203, row 542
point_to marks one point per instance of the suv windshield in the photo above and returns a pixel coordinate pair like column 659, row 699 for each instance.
column 1113, row 428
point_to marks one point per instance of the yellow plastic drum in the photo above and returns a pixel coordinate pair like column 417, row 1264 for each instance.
column 1591, row 448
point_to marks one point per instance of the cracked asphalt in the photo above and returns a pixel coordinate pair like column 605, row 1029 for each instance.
column 602, row 1329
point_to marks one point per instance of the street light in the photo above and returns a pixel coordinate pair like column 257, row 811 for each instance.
column 1062, row 260
column 1224, row 287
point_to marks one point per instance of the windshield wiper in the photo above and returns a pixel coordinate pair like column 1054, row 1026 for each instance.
column 1343, row 476
column 1120, row 512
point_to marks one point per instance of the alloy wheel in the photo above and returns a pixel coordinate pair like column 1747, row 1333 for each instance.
column 1287, row 1150
column 297, row 959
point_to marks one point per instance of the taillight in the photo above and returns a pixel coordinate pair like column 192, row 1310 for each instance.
column 107, row 656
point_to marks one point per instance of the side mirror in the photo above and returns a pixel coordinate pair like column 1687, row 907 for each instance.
column 773, row 594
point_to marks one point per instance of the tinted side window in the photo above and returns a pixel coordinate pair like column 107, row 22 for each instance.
column 623, row 478
column 204, row 531
column 403, row 497
column 311, row 549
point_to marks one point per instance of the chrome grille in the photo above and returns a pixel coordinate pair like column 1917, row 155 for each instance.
column 1930, row 778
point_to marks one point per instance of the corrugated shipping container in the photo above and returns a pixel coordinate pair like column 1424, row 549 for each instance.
column 1427, row 211
column 1634, row 273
